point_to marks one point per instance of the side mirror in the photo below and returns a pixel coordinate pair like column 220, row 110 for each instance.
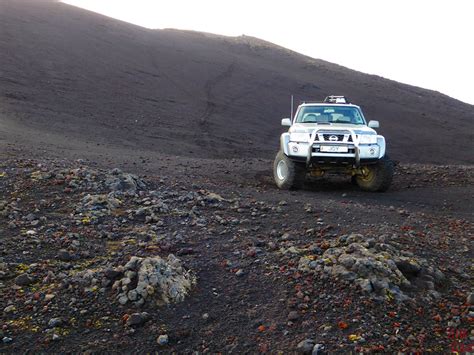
column 286, row 122
column 374, row 124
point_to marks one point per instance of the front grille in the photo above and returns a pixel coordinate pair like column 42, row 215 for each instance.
column 337, row 136
column 327, row 137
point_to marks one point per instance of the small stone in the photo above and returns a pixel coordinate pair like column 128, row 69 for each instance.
column 49, row 297
column 137, row 319
column 55, row 337
column 123, row 299
column 317, row 349
column 55, row 322
column 132, row 295
column 213, row 197
column 112, row 274
column 403, row 212
column 239, row 272
column 470, row 299
column 305, row 346
column 162, row 340
column 293, row 315
column 407, row 267
column 132, row 263
column 23, row 280
column 64, row 255
column 9, row 309
column 205, row 316
column 7, row 340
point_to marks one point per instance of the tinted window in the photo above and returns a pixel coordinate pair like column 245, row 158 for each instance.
column 330, row 114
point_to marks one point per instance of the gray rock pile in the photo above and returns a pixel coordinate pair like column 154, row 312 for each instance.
column 150, row 209
column 88, row 178
column 117, row 180
column 379, row 266
column 153, row 278
column 102, row 202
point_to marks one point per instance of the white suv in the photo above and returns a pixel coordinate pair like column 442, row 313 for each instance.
column 334, row 137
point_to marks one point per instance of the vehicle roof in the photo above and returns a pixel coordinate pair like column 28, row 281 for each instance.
column 327, row 104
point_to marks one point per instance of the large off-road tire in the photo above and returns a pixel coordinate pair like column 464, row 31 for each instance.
column 287, row 173
column 378, row 176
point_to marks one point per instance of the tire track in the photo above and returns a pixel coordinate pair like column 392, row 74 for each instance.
column 209, row 87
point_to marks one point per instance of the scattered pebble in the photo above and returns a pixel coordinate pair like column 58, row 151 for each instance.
column 9, row 309
column 137, row 319
column 293, row 315
column 55, row 322
column 318, row 349
column 162, row 340
column 23, row 280
column 305, row 346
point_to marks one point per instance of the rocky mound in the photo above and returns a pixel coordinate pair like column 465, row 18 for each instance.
column 380, row 266
column 165, row 280
column 152, row 279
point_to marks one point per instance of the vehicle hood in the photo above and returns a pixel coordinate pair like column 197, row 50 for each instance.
column 310, row 127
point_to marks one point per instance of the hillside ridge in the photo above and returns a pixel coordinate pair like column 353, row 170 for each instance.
column 68, row 72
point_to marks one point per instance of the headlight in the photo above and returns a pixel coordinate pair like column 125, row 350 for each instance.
column 367, row 139
column 299, row 137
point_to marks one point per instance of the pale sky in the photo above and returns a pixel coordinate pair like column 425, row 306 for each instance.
column 427, row 43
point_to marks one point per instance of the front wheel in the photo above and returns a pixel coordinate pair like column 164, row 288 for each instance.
column 287, row 173
column 377, row 177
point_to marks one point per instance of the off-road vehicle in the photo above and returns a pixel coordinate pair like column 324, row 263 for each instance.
column 332, row 137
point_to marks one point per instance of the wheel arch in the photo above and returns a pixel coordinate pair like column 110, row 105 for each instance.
column 382, row 145
column 284, row 140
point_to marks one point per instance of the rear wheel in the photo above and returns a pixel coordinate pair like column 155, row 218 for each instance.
column 287, row 173
column 376, row 177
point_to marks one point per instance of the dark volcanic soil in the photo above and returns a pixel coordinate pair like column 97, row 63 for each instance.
column 196, row 117
column 244, row 249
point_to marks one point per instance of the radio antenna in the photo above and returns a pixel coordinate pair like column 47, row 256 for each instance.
column 291, row 113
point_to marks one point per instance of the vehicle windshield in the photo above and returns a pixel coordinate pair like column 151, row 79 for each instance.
column 330, row 114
